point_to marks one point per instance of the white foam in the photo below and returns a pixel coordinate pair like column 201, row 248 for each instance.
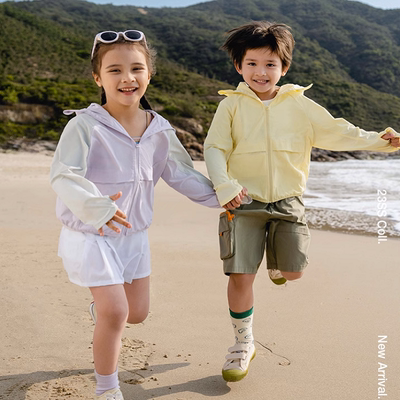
column 353, row 185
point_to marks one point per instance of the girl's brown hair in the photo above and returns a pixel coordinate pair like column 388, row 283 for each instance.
column 102, row 48
column 258, row 34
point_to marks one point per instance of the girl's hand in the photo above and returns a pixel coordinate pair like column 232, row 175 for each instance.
column 237, row 201
column 394, row 141
column 119, row 217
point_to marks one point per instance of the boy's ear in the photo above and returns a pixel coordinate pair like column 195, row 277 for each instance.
column 97, row 79
column 238, row 69
column 285, row 70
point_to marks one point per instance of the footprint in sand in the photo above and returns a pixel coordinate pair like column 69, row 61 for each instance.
column 133, row 358
column 134, row 353
column 69, row 387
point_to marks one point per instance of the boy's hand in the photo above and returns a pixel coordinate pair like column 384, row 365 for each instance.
column 237, row 201
column 394, row 141
column 119, row 217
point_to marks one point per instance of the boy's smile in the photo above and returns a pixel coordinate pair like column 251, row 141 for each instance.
column 261, row 70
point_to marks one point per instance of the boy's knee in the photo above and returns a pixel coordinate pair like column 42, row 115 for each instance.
column 292, row 276
column 241, row 280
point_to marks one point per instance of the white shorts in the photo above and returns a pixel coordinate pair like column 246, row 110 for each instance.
column 93, row 260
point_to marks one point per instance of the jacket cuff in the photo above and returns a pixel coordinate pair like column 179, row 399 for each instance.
column 106, row 217
column 227, row 191
column 387, row 147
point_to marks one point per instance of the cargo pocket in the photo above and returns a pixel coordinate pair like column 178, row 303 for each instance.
column 226, row 235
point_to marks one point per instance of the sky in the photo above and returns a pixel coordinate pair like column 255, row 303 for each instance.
column 386, row 4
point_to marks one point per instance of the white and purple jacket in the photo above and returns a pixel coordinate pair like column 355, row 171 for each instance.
column 96, row 158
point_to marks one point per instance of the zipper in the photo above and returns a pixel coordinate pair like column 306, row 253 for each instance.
column 135, row 183
column 269, row 151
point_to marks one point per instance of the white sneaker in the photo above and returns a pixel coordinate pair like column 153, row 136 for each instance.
column 113, row 394
column 238, row 360
column 276, row 276
column 92, row 312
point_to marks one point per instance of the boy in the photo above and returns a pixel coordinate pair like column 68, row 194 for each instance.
column 259, row 143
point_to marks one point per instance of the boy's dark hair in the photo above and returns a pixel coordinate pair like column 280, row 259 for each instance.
column 257, row 34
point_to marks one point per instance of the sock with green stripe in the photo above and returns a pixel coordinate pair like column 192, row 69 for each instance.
column 243, row 326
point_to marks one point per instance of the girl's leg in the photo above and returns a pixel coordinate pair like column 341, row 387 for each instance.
column 138, row 298
column 112, row 313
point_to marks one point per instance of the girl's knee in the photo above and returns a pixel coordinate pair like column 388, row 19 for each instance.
column 114, row 314
column 137, row 316
column 292, row 276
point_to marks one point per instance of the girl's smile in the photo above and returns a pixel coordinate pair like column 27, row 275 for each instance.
column 124, row 75
column 128, row 90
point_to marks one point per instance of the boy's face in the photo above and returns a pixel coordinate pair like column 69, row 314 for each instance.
column 261, row 70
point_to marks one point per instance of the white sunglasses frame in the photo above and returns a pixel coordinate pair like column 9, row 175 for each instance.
column 98, row 39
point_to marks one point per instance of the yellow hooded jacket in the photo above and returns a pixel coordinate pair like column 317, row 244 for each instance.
column 267, row 148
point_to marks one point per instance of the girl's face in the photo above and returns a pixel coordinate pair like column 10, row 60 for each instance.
column 261, row 70
column 124, row 75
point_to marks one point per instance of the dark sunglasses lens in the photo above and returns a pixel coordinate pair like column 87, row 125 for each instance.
column 108, row 36
column 133, row 35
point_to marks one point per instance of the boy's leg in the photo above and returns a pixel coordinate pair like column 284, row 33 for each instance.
column 288, row 240
column 240, row 292
column 138, row 297
column 240, row 298
column 292, row 276
column 112, row 313
column 287, row 248
column 245, row 234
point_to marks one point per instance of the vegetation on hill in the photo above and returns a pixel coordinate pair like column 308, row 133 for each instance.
column 350, row 51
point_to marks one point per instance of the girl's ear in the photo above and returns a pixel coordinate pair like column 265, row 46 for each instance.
column 97, row 79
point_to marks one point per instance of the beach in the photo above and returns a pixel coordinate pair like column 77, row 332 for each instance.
column 318, row 338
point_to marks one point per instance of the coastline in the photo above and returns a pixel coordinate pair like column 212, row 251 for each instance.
column 326, row 219
column 349, row 222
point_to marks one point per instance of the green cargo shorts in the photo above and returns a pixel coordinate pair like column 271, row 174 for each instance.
column 278, row 228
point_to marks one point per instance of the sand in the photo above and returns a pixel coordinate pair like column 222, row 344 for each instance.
column 316, row 338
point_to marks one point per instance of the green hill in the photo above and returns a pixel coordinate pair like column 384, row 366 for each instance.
column 350, row 51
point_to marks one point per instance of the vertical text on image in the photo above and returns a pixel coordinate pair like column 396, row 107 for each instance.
column 382, row 212
column 382, row 343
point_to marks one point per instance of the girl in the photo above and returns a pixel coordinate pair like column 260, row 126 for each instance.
column 106, row 165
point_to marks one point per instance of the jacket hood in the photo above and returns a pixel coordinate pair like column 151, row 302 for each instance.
column 244, row 89
column 100, row 114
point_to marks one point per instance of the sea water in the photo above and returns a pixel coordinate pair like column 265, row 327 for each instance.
column 354, row 189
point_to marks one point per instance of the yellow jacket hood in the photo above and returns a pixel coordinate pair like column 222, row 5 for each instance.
column 266, row 148
column 243, row 89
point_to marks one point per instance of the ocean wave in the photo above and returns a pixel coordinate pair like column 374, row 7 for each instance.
column 351, row 196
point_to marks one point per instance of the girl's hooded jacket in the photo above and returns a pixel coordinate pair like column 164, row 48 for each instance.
column 267, row 148
column 96, row 158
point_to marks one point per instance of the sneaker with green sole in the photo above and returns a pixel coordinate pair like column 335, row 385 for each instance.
column 276, row 276
column 237, row 362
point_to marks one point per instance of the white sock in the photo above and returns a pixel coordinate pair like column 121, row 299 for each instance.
column 106, row 382
column 243, row 326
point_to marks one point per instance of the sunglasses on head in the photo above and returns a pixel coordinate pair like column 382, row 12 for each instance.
column 111, row 37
